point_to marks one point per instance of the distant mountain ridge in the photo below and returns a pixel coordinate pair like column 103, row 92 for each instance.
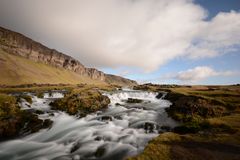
column 17, row 44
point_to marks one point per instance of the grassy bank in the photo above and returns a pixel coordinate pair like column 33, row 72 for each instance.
column 210, row 124
column 15, row 122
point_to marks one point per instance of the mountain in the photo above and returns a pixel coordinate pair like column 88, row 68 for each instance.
column 22, row 60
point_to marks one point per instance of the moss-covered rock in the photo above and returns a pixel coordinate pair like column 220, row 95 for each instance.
column 14, row 121
column 81, row 103
column 184, row 107
column 40, row 94
column 39, row 111
column 26, row 97
column 134, row 100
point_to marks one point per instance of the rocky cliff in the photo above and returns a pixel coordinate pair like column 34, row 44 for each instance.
column 17, row 44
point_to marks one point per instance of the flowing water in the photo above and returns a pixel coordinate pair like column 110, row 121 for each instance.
column 119, row 131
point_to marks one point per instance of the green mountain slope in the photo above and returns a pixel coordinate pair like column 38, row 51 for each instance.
column 16, row 70
column 25, row 61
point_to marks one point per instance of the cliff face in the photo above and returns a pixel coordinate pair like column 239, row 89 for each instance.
column 18, row 44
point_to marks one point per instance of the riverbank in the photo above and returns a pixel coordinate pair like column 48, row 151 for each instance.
column 15, row 122
column 210, row 118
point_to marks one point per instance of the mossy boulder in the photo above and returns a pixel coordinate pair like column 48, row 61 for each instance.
column 14, row 121
column 194, row 112
column 185, row 106
column 26, row 97
column 81, row 103
column 134, row 100
column 40, row 94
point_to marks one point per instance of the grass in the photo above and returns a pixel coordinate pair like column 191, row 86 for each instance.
column 13, row 119
column 216, row 136
column 172, row 146
column 18, row 70
column 227, row 95
column 26, row 97
column 40, row 88
column 7, row 106
column 159, row 148
column 81, row 102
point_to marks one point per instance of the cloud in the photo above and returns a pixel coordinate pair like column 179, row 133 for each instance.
column 143, row 34
column 219, row 36
column 197, row 74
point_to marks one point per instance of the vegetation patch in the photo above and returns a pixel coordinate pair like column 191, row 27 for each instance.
column 26, row 97
column 14, row 121
column 172, row 146
column 158, row 148
column 40, row 94
column 81, row 102
column 210, row 123
column 134, row 100
column 193, row 105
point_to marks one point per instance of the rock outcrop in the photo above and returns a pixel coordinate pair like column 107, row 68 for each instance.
column 81, row 103
column 17, row 44
column 16, row 122
column 188, row 106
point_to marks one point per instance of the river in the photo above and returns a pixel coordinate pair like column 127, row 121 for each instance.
column 121, row 130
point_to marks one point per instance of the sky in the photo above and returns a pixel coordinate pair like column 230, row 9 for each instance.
column 158, row 41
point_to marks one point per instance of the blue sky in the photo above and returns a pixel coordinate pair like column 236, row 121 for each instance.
column 215, row 6
column 163, row 41
column 226, row 62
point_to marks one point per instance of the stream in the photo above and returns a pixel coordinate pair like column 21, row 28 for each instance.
column 121, row 130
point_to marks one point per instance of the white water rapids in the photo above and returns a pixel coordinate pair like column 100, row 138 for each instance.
column 120, row 131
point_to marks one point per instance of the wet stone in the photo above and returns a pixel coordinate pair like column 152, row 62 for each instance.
column 159, row 95
column 118, row 117
column 166, row 128
column 100, row 152
column 106, row 118
column 39, row 112
column 98, row 138
column 75, row 147
column 134, row 100
column 47, row 123
column 150, row 127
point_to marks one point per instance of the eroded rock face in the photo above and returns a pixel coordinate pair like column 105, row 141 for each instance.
column 20, row 45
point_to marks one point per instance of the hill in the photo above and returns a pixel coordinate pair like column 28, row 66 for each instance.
column 22, row 61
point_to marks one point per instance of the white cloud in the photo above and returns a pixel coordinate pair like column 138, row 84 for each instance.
column 142, row 34
column 218, row 36
column 198, row 73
